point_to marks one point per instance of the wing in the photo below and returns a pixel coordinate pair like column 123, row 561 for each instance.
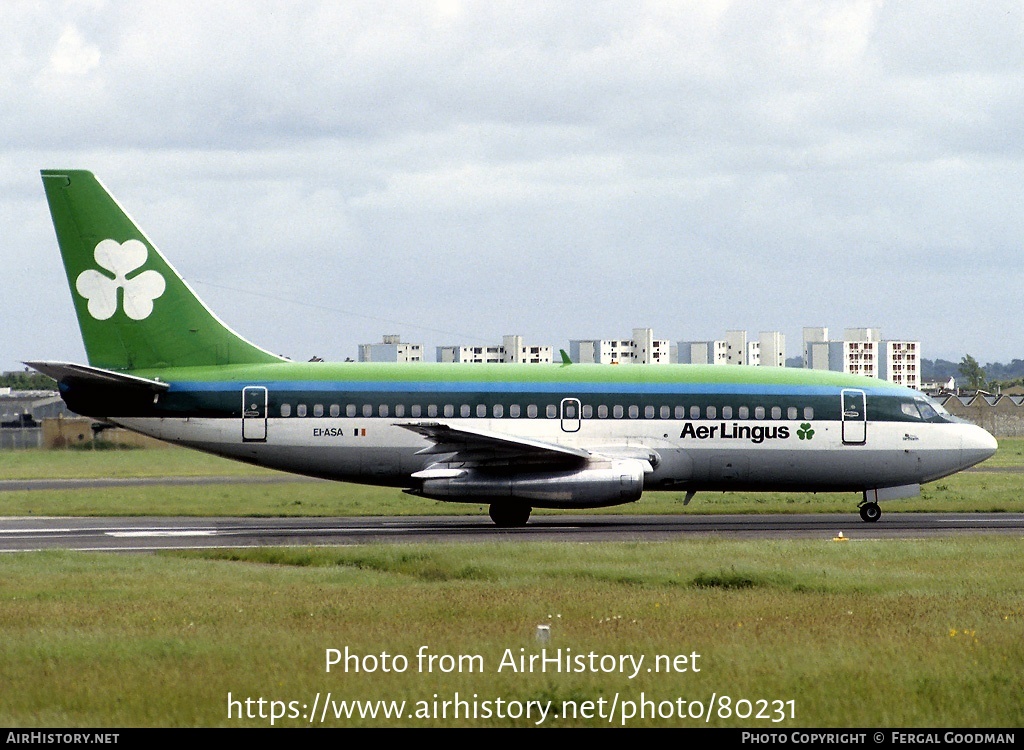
column 483, row 447
column 462, row 447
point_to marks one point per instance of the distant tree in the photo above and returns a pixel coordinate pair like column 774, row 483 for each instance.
column 972, row 372
column 27, row 381
column 939, row 369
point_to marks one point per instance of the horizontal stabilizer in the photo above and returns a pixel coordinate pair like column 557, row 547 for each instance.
column 64, row 372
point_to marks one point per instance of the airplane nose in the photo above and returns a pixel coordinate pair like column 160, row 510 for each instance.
column 977, row 445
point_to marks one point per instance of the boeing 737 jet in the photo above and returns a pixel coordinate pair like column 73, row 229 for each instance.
column 514, row 437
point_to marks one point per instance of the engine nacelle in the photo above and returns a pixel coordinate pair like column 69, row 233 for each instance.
column 597, row 485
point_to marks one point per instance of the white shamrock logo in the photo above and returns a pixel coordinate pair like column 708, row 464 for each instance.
column 120, row 260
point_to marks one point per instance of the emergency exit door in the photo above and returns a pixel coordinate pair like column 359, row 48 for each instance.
column 855, row 417
column 254, row 414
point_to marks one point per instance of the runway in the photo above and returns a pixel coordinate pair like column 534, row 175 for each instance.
column 150, row 534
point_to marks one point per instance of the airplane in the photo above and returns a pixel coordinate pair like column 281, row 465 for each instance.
column 513, row 437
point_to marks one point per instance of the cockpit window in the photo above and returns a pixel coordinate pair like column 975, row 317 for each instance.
column 910, row 410
column 931, row 411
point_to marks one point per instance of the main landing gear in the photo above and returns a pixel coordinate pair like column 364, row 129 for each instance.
column 509, row 515
column 870, row 512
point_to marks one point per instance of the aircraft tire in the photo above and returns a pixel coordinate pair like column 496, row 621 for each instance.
column 870, row 512
column 509, row 515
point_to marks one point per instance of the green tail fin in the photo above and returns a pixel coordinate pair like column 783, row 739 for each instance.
column 134, row 309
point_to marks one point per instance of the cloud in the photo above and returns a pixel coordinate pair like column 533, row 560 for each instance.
column 72, row 55
column 559, row 169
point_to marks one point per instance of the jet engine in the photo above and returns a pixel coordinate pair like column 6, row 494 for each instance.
column 596, row 485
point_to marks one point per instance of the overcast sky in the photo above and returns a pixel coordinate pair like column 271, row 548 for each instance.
column 324, row 173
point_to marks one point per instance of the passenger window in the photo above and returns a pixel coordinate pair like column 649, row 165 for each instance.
column 665, row 412
column 464, row 411
column 399, row 410
column 318, row 410
column 617, row 411
column 744, row 412
column 694, row 412
column 758, row 412
column 726, row 412
column 808, row 413
column 648, row 412
column 498, row 411
column 776, row 412
column 431, row 410
column 680, row 412
column 602, row 411
column 481, row 410
column 791, row 412
column 570, row 411
column 551, row 411
column 350, row 410
column 449, row 410
column 416, row 410
column 367, row 410
column 382, row 410
column 588, row 411
column 634, row 411
column 300, row 410
column 712, row 412
column 531, row 411
column 286, row 410
column 335, row 410
column 514, row 411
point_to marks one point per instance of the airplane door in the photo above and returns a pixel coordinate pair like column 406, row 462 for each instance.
column 254, row 414
column 855, row 417
column 570, row 415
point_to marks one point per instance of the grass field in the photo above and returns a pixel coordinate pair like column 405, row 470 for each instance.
column 988, row 491
column 896, row 633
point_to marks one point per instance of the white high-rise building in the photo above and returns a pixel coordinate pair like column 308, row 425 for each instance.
column 601, row 351
column 815, row 351
column 771, row 349
column 516, row 351
column 642, row 349
column 753, row 353
column 736, row 347
column 512, row 349
column 391, row 349
column 901, row 363
column 860, row 348
column 648, row 350
column 702, row 353
column 863, row 352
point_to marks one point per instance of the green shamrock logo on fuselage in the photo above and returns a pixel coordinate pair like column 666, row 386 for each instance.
column 805, row 432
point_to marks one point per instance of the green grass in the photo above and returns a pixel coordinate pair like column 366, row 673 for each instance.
column 884, row 633
column 1010, row 453
column 892, row 633
column 134, row 462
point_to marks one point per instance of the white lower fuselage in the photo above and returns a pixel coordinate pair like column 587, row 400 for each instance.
column 707, row 455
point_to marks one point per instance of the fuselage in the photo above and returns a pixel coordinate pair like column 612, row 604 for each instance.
column 513, row 436
column 699, row 427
